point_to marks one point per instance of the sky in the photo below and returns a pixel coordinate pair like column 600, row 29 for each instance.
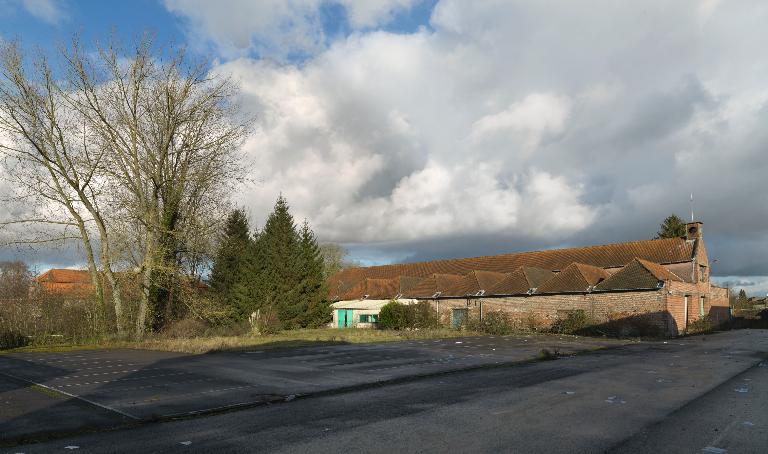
column 412, row 130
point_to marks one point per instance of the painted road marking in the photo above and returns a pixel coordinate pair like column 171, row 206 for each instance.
column 74, row 396
column 124, row 379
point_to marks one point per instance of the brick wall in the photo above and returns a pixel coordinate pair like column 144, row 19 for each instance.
column 544, row 310
column 716, row 303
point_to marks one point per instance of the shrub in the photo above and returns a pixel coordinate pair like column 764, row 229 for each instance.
column 495, row 323
column 576, row 320
column 265, row 321
column 186, row 328
column 702, row 325
column 393, row 315
column 12, row 339
column 423, row 316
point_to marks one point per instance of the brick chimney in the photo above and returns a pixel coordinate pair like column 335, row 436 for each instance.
column 693, row 230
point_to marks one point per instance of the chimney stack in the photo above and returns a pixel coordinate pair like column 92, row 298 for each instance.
column 693, row 230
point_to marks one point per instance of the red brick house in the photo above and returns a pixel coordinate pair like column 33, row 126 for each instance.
column 66, row 282
column 663, row 282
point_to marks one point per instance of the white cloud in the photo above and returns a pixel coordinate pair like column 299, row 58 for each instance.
column 46, row 10
column 275, row 28
column 532, row 118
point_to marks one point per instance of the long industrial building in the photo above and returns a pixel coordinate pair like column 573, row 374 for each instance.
column 661, row 282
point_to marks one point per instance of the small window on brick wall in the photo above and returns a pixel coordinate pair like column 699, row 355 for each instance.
column 702, row 273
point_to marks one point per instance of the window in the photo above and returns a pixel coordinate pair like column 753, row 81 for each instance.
column 369, row 318
column 701, row 307
column 702, row 273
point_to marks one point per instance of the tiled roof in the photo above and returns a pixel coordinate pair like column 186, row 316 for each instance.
column 433, row 284
column 638, row 274
column 520, row 281
column 473, row 282
column 577, row 277
column 380, row 288
column 664, row 251
column 64, row 276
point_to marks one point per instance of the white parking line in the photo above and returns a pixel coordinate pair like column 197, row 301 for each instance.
column 120, row 379
column 74, row 396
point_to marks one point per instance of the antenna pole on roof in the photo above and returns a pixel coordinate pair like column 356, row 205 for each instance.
column 692, row 207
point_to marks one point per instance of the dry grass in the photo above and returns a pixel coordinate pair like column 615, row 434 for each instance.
column 294, row 338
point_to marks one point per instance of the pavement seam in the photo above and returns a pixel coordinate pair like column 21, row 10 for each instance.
column 74, row 396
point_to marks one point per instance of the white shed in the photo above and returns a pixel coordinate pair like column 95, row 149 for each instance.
column 360, row 313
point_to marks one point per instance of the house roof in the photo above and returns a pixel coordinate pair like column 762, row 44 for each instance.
column 520, row 281
column 435, row 283
column 473, row 282
column 64, row 276
column 577, row 277
column 380, row 288
column 638, row 274
column 663, row 251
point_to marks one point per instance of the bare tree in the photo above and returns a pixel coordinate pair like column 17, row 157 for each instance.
column 51, row 162
column 161, row 139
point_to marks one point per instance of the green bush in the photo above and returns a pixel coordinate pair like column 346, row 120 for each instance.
column 576, row 320
column 393, row 315
column 423, row 316
column 12, row 339
column 398, row 316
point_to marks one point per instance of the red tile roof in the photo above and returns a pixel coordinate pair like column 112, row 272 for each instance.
column 380, row 288
column 473, row 282
column 520, row 281
column 72, row 282
column 64, row 276
column 664, row 251
column 433, row 284
column 577, row 277
column 638, row 274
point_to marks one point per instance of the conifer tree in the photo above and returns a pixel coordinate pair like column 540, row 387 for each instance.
column 283, row 273
column 314, row 305
column 672, row 227
column 278, row 244
column 229, row 264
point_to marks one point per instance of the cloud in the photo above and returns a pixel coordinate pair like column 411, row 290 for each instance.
column 509, row 126
column 49, row 11
column 275, row 28
column 503, row 126
column 532, row 118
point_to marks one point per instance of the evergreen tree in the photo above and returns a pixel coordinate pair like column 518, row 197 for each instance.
column 743, row 296
column 283, row 273
column 247, row 290
column 235, row 247
column 672, row 227
column 314, row 305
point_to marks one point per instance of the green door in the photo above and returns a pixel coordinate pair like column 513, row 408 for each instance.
column 458, row 317
column 345, row 318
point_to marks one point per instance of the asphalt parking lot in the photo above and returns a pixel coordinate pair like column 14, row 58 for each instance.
column 140, row 385
column 688, row 395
